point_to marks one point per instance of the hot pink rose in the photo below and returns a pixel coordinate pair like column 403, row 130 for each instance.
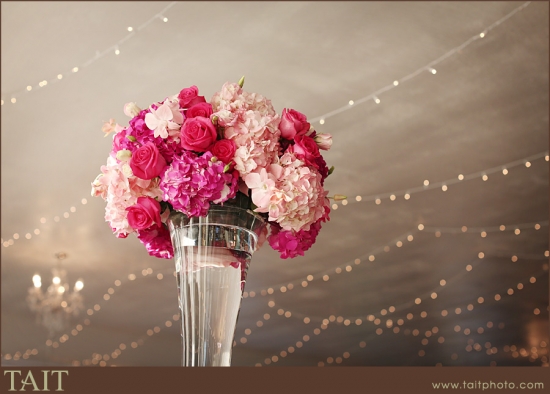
column 224, row 150
column 200, row 109
column 293, row 123
column 306, row 146
column 189, row 97
column 147, row 162
column 198, row 134
column 144, row 214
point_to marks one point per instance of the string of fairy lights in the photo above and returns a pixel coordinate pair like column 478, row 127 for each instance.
column 112, row 49
column 375, row 318
column 444, row 185
column 346, row 321
column 466, row 331
column 375, row 96
column 396, row 326
column 115, row 48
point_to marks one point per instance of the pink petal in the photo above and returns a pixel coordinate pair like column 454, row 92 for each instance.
column 253, row 180
column 164, row 112
column 177, row 117
column 151, row 121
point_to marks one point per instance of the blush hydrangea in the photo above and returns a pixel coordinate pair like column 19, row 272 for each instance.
column 251, row 122
column 120, row 189
column 290, row 192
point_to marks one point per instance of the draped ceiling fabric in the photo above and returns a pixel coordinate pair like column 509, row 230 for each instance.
column 393, row 294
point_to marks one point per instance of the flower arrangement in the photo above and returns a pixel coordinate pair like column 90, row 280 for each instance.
column 185, row 153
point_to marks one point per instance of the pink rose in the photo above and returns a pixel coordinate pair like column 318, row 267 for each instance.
column 306, row 146
column 224, row 150
column 200, row 109
column 198, row 134
column 189, row 97
column 144, row 214
column 293, row 123
column 147, row 162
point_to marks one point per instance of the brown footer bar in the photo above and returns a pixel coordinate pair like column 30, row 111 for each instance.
column 245, row 380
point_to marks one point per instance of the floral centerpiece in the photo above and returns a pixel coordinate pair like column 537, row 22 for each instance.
column 185, row 153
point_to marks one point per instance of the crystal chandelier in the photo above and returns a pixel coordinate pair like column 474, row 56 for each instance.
column 55, row 307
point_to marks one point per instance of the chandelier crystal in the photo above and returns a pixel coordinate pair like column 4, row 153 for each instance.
column 56, row 306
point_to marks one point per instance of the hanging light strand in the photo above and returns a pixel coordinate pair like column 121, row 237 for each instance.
column 321, row 274
column 427, row 67
column 371, row 255
column 98, row 55
column 465, row 229
column 460, row 178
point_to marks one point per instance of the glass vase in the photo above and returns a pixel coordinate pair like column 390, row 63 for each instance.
column 212, row 255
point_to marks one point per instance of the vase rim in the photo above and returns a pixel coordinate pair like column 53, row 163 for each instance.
column 219, row 207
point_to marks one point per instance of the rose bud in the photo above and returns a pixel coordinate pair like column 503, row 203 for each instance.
column 131, row 110
column 124, row 155
column 323, row 140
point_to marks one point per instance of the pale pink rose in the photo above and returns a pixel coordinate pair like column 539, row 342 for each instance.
column 144, row 214
column 323, row 140
column 224, row 150
column 293, row 123
column 147, row 162
column 198, row 134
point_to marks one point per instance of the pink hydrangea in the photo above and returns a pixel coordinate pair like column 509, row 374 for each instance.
column 291, row 244
column 251, row 122
column 120, row 189
column 156, row 240
column 192, row 182
column 294, row 243
column 290, row 192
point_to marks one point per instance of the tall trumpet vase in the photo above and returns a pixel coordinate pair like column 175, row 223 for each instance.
column 212, row 255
